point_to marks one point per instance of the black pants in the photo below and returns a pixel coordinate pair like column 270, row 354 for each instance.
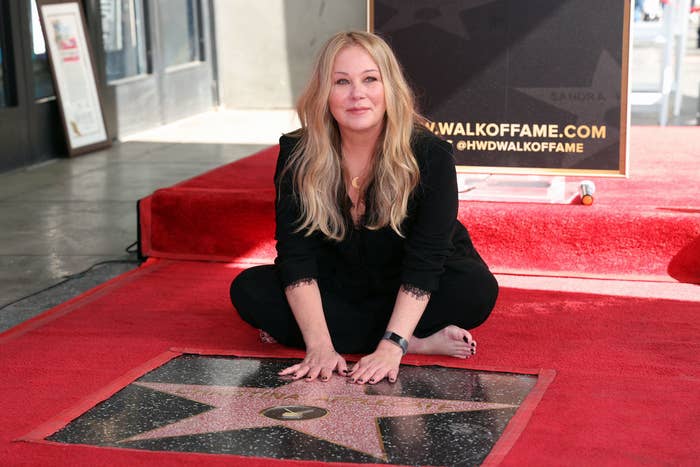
column 465, row 298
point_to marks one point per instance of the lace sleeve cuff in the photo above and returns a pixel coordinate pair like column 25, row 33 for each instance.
column 415, row 292
column 299, row 283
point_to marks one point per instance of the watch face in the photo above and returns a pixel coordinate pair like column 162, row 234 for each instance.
column 294, row 412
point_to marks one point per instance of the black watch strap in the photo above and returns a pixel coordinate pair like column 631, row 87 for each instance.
column 398, row 340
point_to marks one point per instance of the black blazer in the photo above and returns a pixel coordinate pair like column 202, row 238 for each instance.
column 370, row 262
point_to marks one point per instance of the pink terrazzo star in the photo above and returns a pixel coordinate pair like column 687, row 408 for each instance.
column 351, row 420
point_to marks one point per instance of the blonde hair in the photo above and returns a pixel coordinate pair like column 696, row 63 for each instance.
column 316, row 161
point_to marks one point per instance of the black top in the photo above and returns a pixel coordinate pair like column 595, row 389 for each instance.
column 370, row 262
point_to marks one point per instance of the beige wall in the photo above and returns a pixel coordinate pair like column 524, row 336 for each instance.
column 265, row 48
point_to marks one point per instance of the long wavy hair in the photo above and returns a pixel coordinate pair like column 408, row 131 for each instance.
column 315, row 162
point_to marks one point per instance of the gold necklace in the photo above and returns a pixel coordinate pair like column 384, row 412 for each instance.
column 355, row 181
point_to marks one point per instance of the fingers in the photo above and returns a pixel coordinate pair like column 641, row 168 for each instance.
column 358, row 375
column 371, row 372
column 313, row 373
column 371, row 376
column 355, row 373
column 302, row 371
column 289, row 370
column 378, row 375
column 325, row 374
column 342, row 367
column 311, row 369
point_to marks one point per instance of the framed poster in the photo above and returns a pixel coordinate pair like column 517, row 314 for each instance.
column 74, row 75
column 536, row 87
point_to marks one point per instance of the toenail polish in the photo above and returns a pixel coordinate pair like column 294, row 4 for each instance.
column 371, row 380
column 473, row 344
column 465, row 339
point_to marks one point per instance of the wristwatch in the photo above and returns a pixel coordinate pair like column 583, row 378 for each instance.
column 396, row 339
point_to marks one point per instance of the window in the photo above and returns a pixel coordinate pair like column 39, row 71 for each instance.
column 124, row 38
column 43, row 83
column 180, row 30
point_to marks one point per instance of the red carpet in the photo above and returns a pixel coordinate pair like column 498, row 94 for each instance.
column 625, row 393
column 627, row 381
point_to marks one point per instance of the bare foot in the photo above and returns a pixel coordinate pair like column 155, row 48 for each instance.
column 450, row 340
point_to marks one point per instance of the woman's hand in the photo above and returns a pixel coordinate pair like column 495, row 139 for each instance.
column 318, row 363
column 382, row 363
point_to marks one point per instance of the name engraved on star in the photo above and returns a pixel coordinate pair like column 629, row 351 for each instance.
column 274, row 395
column 581, row 96
column 375, row 401
column 247, row 393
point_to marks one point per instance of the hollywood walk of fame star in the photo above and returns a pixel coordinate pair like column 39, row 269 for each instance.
column 350, row 419
column 448, row 18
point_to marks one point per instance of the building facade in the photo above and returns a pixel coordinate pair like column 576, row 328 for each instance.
column 157, row 61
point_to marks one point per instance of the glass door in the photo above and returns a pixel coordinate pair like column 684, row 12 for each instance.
column 43, row 83
column 14, row 137
column 5, row 89
column 45, row 126
column 30, row 125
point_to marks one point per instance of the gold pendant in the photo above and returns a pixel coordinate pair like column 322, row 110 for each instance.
column 355, row 182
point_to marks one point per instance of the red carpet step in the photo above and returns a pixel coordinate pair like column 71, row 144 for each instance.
column 646, row 227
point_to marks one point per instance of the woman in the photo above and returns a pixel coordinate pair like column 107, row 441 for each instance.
column 370, row 255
